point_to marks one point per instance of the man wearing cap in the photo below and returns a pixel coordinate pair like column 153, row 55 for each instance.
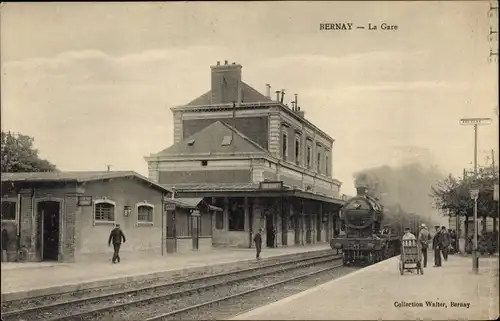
column 423, row 238
column 436, row 246
column 258, row 243
column 116, row 236
column 408, row 235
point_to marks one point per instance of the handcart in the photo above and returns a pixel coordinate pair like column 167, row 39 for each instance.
column 411, row 256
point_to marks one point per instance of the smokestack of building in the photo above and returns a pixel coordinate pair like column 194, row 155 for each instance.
column 226, row 83
column 282, row 95
column 268, row 91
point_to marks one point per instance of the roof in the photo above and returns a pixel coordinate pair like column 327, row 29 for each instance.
column 79, row 177
column 191, row 203
column 248, row 95
column 214, row 186
column 210, row 140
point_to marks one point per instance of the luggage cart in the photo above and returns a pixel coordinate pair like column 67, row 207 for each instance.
column 411, row 257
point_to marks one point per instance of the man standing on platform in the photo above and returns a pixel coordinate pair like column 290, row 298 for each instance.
column 423, row 238
column 116, row 236
column 445, row 242
column 436, row 246
column 258, row 242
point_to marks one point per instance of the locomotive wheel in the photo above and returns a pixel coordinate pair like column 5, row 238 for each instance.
column 370, row 258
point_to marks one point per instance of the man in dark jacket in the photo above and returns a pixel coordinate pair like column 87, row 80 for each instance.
column 258, row 242
column 436, row 246
column 116, row 236
column 445, row 242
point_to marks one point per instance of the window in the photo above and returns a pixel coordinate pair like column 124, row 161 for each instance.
column 327, row 165
column 319, row 162
column 226, row 141
column 309, row 154
column 204, row 163
column 219, row 220
column 291, row 222
column 145, row 212
column 9, row 208
column 236, row 216
column 104, row 211
column 297, row 150
column 284, row 143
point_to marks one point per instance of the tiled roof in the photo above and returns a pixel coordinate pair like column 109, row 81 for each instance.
column 80, row 177
column 209, row 141
column 248, row 95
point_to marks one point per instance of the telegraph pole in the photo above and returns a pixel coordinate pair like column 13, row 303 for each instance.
column 493, row 34
column 474, row 191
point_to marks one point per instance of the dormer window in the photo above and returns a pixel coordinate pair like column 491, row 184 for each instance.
column 191, row 142
column 227, row 140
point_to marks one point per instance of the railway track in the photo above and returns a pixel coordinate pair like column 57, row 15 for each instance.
column 147, row 301
column 257, row 295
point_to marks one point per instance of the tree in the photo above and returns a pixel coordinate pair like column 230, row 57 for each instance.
column 452, row 195
column 19, row 155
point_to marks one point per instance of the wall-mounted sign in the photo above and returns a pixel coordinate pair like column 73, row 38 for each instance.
column 271, row 185
column 84, row 200
column 475, row 121
column 169, row 207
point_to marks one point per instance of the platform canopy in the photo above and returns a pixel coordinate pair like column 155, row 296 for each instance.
column 192, row 203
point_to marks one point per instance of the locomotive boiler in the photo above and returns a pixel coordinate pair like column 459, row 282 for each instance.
column 366, row 238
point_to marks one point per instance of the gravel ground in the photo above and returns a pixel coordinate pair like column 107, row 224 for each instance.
column 151, row 310
column 154, row 294
column 234, row 306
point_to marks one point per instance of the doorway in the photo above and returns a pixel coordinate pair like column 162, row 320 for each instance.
column 48, row 227
column 270, row 234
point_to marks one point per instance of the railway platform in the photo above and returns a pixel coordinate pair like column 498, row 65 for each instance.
column 24, row 280
column 450, row 292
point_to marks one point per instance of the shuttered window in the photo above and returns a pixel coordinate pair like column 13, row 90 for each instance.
column 145, row 213
column 8, row 210
column 104, row 211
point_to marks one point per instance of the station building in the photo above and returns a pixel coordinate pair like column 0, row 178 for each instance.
column 260, row 161
column 68, row 216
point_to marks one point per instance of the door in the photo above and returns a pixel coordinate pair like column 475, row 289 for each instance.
column 269, row 230
column 195, row 231
column 49, row 218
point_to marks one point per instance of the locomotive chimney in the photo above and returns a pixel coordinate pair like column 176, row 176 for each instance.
column 361, row 190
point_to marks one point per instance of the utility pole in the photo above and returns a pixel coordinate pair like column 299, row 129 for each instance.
column 474, row 191
column 493, row 32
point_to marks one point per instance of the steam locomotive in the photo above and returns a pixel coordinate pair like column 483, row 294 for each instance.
column 366, row 239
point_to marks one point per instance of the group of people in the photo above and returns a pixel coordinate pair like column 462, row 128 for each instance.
column 441, row 242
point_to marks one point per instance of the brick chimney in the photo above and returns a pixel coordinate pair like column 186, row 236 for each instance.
column 226, row 83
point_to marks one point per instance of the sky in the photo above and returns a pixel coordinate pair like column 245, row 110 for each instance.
column 93, row 83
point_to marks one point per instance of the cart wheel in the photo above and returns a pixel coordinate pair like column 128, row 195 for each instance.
column 401, row 267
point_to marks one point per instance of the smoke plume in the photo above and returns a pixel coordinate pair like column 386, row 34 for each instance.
column 405, row 187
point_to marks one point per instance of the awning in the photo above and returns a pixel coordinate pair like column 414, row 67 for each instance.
column 191, row 203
